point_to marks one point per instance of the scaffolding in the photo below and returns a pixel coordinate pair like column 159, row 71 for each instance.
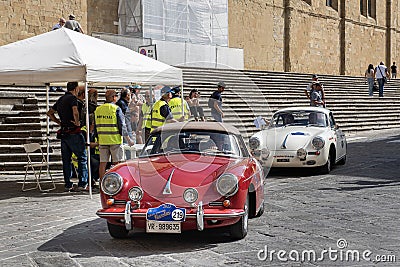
column 193, row 21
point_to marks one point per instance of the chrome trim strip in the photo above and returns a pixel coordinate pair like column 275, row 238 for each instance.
column 127, row 216
column 283, row 146
column 194, row 216
column 167, row 188
column 200, row 216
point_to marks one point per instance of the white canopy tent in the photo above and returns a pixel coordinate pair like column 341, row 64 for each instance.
column 64, row 56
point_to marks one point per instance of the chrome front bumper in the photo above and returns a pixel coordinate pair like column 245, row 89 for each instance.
column 200, row 215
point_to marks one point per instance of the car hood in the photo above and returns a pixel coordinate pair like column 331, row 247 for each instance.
column 291, row 137
column 167, row 177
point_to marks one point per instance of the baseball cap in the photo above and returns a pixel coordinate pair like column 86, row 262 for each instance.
column 165, row 90
column 176, row 89
column 71, row 16
column 315, row 76
column 221, row 84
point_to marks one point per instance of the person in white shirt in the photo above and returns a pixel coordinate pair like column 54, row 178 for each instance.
column 309, row 89
column 381, row 74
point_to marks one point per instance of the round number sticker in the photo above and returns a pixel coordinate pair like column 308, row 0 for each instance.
column 177, row 215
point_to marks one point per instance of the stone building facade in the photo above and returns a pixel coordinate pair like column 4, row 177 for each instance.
column 20, row 19
column 315, row 36
column 311, row 36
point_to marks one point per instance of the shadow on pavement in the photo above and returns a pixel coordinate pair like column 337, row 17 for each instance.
column 90, row 239
column 12, row 189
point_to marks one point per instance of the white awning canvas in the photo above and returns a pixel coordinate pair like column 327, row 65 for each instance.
column 64, row 55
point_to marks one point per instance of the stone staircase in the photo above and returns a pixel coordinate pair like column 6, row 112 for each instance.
column 21, row 122
column 259, row 93
column 249, row 94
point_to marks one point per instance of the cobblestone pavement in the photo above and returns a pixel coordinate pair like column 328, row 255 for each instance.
column 357, row 204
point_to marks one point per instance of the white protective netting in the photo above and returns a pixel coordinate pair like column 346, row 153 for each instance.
column 193, row 21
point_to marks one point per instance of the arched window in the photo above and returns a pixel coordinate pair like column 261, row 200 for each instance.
column 368, row 8
column 333, row 4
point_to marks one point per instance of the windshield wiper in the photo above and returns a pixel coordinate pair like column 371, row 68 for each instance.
column 294, row 123
column 219, row 152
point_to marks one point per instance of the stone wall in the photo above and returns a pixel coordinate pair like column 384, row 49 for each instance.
column 276, row 35
column 20, row 19
column 257, row 26
column 308, row 36
column 101, row 16
column 313, row 38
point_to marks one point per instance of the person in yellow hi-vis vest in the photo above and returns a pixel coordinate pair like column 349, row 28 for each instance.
column 176, row 104
column 161, row 112
column 144, row 120
column 110, row 128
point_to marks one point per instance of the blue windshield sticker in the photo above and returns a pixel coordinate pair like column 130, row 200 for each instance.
column 166, row 213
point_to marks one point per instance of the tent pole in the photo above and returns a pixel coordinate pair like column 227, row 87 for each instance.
column 47, row 127
column 183, row 107
column 88, row 139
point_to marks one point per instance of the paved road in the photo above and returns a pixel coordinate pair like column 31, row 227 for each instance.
column 357, row 204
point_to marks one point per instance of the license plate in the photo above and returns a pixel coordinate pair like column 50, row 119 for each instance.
column 283, row 160
column 163, row 227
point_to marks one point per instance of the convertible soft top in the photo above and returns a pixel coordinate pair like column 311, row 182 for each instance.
column 199, row 125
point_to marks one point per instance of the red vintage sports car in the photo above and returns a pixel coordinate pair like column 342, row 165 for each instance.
column 192, row 175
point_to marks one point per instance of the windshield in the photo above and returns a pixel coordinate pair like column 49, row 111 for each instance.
column 299, row 117
column 215, row 143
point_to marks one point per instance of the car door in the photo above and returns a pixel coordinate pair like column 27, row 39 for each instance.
column 340, row 138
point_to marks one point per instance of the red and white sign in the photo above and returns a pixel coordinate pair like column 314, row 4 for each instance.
column 148, row 50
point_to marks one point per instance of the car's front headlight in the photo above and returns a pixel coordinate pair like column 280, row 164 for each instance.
column 135, row 193
column 190, row 195
column 227, row 184
column 318, row 142
column 111, row 183
column 254, row 143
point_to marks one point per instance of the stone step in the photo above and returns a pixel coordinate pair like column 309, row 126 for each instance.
column 8, row 133
column 19, row 113
column 19, row 167
column 19, row 148
column 25, row 107
column 22, row 157
column 24, row 119
column 19, row 126
column 23, row 140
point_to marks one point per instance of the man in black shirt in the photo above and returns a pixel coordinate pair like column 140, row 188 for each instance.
column 393, row 68
column 72, row 140
column 215, row 102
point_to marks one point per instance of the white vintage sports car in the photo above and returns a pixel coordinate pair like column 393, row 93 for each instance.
column 300, row 137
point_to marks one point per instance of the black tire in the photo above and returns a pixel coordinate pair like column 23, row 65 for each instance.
column 342, row 161
column 261, row 210
column 326, row 169
column 239, row 230
column 117, row 231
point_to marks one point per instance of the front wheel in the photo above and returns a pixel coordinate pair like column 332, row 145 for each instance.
column 239, row 229
column 326, row 169
column 117, row 231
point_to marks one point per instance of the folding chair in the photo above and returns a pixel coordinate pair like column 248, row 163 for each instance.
column 30, row 148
